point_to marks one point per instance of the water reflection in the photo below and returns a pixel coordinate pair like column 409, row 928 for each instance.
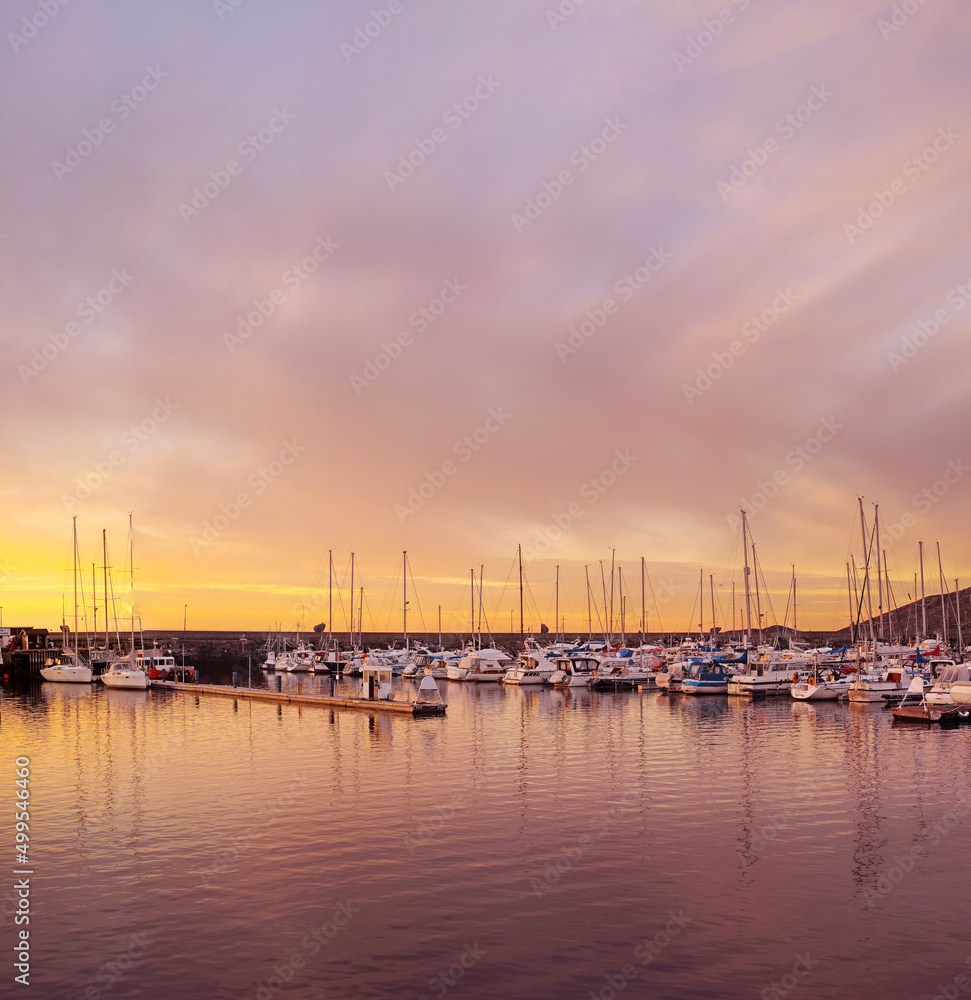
column 774, row 826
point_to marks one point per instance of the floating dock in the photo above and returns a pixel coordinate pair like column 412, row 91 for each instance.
column 321, row 701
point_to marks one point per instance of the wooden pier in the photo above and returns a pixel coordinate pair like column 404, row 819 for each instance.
column 321, row 701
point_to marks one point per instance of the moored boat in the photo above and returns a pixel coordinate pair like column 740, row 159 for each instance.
column 66, row 668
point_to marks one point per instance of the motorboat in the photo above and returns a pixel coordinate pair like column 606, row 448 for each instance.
column 706, row 677
column 939, row 695
column 822, row 685
column 480, row 666
column 574, row 671
column 534, row 667
column 301, row 660
column 774, row 674
column 623, row 670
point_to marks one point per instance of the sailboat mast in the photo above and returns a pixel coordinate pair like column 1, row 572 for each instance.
column 620, row 589
column 849, row 597
column 923, row 606
column 603, row 586
column 439, row 625
column 610, row 620
column 711, row 583
column 876, row 525
column 556, row 605
column 586, row 570
column 857, row 603
column 701, row 590
column 866, row 575
column 481, row 575
column 131, row 567
column 104, row 559
column 522, row 643
column 404, row 610
column 643, row 604
column 330, row 595
column 472, row 604
column 350, row 634
column 758, row 602
column 75, row 545
column 957, row 604
column 360, row 621
column 943, row 606
column 795, row 621
column 748, row 595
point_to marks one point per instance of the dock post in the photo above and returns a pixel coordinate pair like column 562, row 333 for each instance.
column 234, row 679
column 279, row 683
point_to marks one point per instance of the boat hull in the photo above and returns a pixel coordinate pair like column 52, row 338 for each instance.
column 689, row 686
column 62, row 674
column 128, row 679
column 817, row 692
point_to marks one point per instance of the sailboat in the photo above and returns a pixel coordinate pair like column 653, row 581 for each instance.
column 67, row 667
column 125, row 672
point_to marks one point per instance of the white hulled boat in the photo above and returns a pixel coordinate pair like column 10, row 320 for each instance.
column 822, row 686
column 125, row 673
column 533, row 667
column 939, row 696
column 573, row 671
column 66, row 668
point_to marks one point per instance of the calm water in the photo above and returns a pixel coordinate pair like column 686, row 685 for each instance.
column 531, row 844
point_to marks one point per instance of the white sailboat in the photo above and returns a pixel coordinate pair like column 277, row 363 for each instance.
column 125, row 672
column 68, row 667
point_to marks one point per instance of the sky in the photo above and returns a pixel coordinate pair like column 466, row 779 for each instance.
column 291, row 280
